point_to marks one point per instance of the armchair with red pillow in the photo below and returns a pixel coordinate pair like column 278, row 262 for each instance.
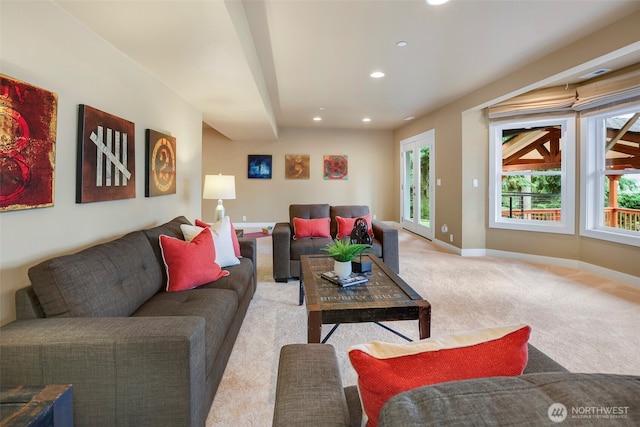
column 312, row 226
column 470, row 378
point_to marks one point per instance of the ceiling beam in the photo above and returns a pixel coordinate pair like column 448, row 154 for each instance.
column 622, row 131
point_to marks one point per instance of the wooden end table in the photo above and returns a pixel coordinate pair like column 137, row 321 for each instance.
column 385, row 297
column 50, row 405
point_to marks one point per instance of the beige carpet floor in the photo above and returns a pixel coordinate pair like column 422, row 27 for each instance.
column 585, row 322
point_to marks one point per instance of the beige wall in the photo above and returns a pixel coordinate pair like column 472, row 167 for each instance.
column 372, row 173
column 58, row 54
column 45, row 47
column 462, row 142
column 448, row 169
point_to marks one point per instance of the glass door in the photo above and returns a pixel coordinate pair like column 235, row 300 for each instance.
column 417, row 168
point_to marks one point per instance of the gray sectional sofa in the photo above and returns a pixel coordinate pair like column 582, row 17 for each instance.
column 287, row 251
column 309, row 391
column 136, row 355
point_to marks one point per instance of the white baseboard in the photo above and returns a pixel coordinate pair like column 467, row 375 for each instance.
column 447, row 246
column 258, row 225
column 559, row 262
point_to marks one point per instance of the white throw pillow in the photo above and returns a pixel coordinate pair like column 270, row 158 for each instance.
column 221, row 232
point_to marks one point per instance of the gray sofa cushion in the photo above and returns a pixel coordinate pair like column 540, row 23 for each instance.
column 240, row 279
column 216, row 306
column 106, row 280
column 171, row 229
column 308, row 211
column 307, row 246
column 523, row 400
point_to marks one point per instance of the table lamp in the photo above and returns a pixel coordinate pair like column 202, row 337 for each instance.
column 219, row 187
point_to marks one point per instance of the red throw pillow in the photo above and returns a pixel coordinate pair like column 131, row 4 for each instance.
column 234, row 236
column 316, row 227
column 345, row 226
column 385, row 370
column 190, row 264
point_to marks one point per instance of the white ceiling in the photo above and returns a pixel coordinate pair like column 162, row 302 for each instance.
column 254, row 66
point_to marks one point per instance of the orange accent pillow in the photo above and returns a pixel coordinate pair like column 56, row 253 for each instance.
column 234, row 236
column 345, row 225
column 316, row 227
column 190, row 264
column 385, row 369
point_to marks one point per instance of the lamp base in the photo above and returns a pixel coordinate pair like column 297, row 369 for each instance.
column 219, row 213
column 361, row 266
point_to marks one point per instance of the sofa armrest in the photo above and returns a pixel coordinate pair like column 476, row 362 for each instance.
column 135, row 371
column 249, row 249
column 309, row 388
column 27, row 304
column 281, row 242
column 540, row 362
column 388, row 236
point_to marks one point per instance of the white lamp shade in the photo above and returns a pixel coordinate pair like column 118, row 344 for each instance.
column 219, row 187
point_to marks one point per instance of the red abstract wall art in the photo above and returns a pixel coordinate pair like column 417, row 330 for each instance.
column 28, row 117
column 336, row 166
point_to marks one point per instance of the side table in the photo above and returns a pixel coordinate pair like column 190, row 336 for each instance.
column 51, row 405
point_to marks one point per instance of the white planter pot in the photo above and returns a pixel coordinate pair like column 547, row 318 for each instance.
column 342, row 269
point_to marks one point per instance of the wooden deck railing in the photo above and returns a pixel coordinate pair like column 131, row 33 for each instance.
column 626, row 219
column 534, row 214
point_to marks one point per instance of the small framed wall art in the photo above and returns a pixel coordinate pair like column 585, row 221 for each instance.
column 160, row 165
column 296, row 166
column 106, row 157
column 28, row 117
column 336, row 166
column 259, row 166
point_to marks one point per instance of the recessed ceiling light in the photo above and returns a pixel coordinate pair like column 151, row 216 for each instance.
column 377, row 74
column 436, row 2
column 366, row 119
column 409, row 118
column 317, row 119
column 401, row 44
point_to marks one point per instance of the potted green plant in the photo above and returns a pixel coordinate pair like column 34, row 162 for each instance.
column 343, row 252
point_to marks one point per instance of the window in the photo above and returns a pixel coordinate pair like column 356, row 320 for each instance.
column 532, row 165
column 611, row 175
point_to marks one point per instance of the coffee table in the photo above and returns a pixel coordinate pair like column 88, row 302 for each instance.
column 385, row 297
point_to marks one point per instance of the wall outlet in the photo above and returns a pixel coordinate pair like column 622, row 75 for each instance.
column 374, row 216
column 451, row 238
column 244, row 217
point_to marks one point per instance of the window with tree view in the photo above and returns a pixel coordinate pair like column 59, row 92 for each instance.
column 531, row 162
column 612, row 175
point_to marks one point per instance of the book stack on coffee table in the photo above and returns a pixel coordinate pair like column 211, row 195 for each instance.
column 352, row 279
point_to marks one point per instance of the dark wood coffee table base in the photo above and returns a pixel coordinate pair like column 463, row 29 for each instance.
column 386, row 297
